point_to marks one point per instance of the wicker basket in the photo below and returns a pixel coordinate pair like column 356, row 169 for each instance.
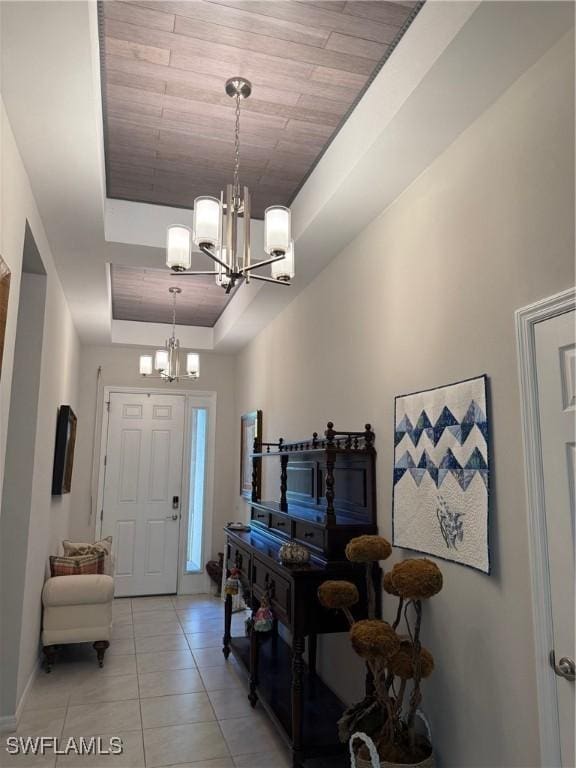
column 375, row 762
column 427, row 763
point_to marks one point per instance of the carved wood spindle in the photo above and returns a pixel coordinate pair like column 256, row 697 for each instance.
column 330, row 461
column 297, row 699
column 369, row 436
column 256, row 448
column 329, row 480
column 283, row 482
column 253, row 680
column 329, row 433
column 227, row 626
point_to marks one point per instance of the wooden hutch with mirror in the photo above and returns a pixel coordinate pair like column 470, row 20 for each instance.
column 327, row 496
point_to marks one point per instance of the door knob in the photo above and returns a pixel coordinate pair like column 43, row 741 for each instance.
column 565, row 668
column 171, row 517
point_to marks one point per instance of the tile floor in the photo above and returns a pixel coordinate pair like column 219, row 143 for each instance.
column 165, row 689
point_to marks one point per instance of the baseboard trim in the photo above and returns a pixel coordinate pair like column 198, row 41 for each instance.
column 10, row 722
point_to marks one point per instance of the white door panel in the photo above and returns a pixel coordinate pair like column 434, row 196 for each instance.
column 143, row 475
column 556, row 371
column 159, row 466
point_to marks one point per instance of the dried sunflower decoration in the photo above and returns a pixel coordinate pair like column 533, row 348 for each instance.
column 397, row 663
column 369, row 550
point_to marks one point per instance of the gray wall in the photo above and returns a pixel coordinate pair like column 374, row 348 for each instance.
column 487, row 228
column 19, row 474
column 57, row 359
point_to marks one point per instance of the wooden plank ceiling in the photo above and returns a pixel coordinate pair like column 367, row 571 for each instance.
column 168, row 122
column 142, row 295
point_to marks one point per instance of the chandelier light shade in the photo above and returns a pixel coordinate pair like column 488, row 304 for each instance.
column 165, row 363
column 284, row 269
column 193, row 365
column 161, row 360
column 216, row 231
column 277, row 230
column 146, row 365
column 179, row 248
column 207, row 220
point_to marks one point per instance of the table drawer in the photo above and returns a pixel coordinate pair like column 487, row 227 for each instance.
column 309, row 535
column 261, row 517
column 280, row 524
column 268, row 582
column 240, row 558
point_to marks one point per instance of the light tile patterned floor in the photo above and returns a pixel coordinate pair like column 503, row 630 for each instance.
column 165, row 689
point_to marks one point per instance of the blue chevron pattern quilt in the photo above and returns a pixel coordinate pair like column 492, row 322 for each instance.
column 441, row 473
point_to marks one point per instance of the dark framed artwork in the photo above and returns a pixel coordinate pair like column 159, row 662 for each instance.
column 250, row 440
column 64, row 451
column 4, row 294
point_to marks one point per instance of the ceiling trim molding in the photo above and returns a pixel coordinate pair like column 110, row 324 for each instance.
column 392, row 47
column 133, row 333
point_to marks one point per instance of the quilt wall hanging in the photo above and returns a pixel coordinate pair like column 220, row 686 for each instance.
column 441, row 473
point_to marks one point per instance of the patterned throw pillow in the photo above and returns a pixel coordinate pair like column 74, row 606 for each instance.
column 104, row 546
column 76, row 566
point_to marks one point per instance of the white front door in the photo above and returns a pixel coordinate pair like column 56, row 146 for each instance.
column 556, row 373
column 142, row 491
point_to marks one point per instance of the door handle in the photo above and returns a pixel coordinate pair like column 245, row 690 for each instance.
column 171, row 517
column 565, row 668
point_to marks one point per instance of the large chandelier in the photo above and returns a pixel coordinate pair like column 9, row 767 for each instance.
column 165, row 363
column 215, row 228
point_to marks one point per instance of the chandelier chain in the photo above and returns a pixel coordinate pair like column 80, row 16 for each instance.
column 174, row 314
column 237, row 149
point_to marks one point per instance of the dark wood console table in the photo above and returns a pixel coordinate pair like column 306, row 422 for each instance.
column 327, row 496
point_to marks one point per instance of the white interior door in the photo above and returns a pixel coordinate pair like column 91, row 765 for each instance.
column 142, row 491
column 556, row 372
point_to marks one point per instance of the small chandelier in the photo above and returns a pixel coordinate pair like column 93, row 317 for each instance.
column 165, row 363
column 215, row 228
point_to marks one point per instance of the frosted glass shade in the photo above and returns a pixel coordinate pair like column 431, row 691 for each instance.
column 193, row 365
column 284, row 270
column 178, row 248
column 161, row 360
column 207, row 218
column 145, row 365
column 277, row 229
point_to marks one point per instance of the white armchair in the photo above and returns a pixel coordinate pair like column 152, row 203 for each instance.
column 77, row 609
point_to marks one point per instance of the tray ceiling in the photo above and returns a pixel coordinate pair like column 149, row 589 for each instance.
column 142, row 295
column 168, row 122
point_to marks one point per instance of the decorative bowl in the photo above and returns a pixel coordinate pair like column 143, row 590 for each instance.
column 291, row 552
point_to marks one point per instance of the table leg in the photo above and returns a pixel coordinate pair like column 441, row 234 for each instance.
column 297, row 702
column 254, row 647
column 227, row 625
column 312, row 645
